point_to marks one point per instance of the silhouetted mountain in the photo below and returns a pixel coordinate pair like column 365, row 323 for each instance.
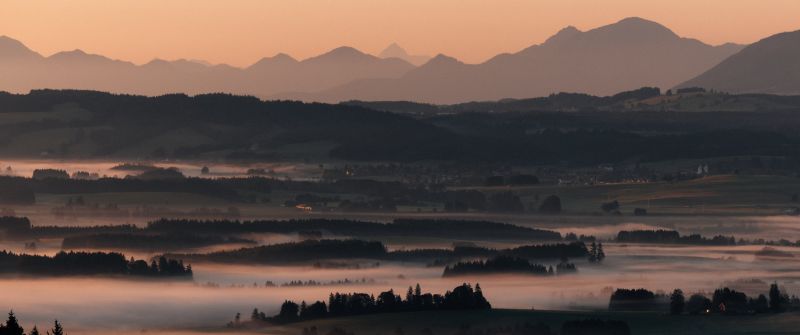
column 396, row 51
column 336, row 67
column 626, row 55
column 78, row 57
column 273, row 63
column 25, row 70
column 771, row 65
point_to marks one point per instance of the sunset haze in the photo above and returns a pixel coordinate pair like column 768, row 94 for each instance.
column 240, row 32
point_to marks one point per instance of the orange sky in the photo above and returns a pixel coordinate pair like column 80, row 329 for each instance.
column 239, row 32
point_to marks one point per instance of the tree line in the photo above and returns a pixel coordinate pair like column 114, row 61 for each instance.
column 20, row 228
column 671, row 236
column 507, row 265
column 148, row 242
column 723, row 301
column 463, row 297
column 399, row 227
column 91, row 263
column 12, row 327
column 538, row 251
column 674, row 237
column 315, row 250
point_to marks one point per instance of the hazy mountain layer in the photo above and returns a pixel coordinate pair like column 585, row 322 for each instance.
column 23, row 70
column 626, row 55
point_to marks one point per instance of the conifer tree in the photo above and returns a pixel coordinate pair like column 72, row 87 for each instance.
column 12, row 326
column 57, row 329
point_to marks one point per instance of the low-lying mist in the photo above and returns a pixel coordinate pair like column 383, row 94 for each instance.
column 84, row 303
column 92, row 305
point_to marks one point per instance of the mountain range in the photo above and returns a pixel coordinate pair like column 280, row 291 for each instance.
column 625, row 55
column 24, row 70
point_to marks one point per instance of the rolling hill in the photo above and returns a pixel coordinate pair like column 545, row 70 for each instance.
column 771, row 65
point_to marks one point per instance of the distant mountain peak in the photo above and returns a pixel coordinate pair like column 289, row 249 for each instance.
column 393, row 50
column 636, row 27
column 78, row 52
column 343, row 52
column 73, row 54
column 157, row 61
column 79, row 56
column 283, row 57
column 628, row 31
column 442, row 59
column 637, row 20
column 565, row 33
column 568, row 30
column 280, row 59
column 14, row 49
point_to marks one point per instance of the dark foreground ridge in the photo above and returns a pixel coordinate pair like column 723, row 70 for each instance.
column 530, row 132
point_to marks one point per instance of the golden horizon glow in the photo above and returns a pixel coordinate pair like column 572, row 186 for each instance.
column 239, row 32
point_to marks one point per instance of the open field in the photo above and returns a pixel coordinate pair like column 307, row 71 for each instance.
column 713, row 195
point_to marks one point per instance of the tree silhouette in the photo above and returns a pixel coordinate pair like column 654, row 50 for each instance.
column 254, row 315
column 676, row 302
column 57, row 329
column 728, row 301
column 760, row 304
column 289, row 312
column 12, row 326
column 698, row 304
column 775, row 298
